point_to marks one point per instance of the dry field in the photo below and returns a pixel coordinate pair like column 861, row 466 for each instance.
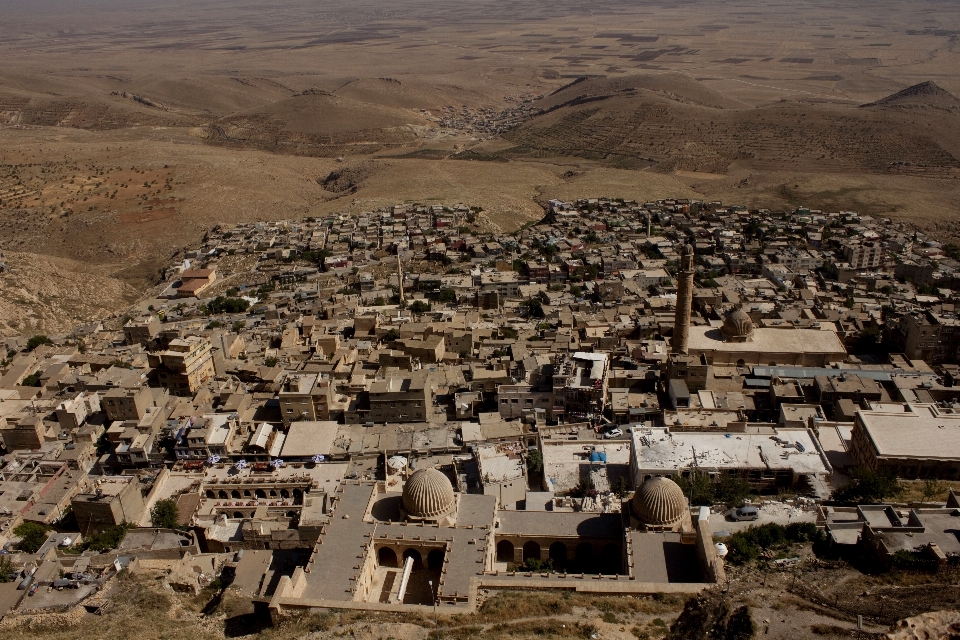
column 126, row 131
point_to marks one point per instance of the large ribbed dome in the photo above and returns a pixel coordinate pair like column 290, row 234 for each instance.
column 428, row 494
column 659, row 502
column 737, row 326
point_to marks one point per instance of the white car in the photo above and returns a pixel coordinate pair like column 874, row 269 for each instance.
column 613, row 433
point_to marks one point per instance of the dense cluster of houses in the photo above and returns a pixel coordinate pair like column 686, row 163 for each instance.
column 551, row 370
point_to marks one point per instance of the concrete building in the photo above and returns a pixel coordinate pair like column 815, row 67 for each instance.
column 305, row 396
column 116, row 499
column 184, row 366
column 911, row 441
column 127, row 404
column 141, row 332
column 401, row 399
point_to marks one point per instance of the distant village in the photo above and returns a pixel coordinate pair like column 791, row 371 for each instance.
column 400, row 408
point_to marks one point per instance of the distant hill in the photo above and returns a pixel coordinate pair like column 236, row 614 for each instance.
column 672, row 86
column 925, row 94
column 668, row 123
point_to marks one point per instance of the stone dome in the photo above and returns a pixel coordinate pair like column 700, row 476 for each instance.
column 659, row 503
column 428, row 494
column 737, row 326
column 686, row 250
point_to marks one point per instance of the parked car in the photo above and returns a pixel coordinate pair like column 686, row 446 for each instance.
column 613, row 433
column 748, row 512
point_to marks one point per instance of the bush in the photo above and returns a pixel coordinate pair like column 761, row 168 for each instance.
column 32, row 535
column 868, row 487
column 745, row 546
column 36, row 341
column 165, row 514
column 221, row 304
column 32, row 380
column 109, row 538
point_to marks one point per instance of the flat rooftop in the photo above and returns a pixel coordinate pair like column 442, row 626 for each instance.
column 659, row 449
column 705, row 338
column 662, row 557
column 918, row 431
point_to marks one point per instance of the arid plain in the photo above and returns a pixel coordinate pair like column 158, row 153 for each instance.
column 129, row 128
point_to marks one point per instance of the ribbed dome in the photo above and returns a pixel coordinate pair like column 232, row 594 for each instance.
column 428, row 494
column 659, row 502
column 737, row 326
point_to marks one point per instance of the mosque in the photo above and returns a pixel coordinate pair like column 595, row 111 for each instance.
column 419, row 542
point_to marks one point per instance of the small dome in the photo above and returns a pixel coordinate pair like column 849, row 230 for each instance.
column 737, row 326
column 659, row 502
column 428, row 494
column 686, row 250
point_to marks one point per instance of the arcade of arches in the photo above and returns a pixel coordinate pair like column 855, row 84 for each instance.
column 573, row 555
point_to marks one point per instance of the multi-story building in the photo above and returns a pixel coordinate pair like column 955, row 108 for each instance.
column 126, row 404
column 401, row 399
column 305, row 396
column 115, row 500
column 864, row 255
column 184, row 366
column 919, row 336
column 141, row 332
column 580, row 379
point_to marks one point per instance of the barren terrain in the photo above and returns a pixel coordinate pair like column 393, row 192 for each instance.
column 127, row 130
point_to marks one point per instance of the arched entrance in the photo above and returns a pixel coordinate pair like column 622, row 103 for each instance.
column 504, row 551
column 611, row 559
column 584, row 558
column 558, row 554
column 417, row 558
column 235, row 494
column 531, row 550
column 435, row 560
column 387, row 557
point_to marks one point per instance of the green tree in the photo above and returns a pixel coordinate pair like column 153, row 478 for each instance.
column 731, row 490
column 390, row 336
column 109, row 539
column 6, row 569
column 165, row 514
column 36, row 341
column 32, row 536
column 447, row 295
column 534, row 463
column 32, row 380
column 419, row 306
column 270, row 362
column 698, row 488
column 867, row 486
column 534, row 307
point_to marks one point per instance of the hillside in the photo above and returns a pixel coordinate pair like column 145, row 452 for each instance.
column 644, row 128
column 926, row 95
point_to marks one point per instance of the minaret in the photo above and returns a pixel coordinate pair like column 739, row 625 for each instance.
column 648, row 224
column 400, row 277
column 681, row 324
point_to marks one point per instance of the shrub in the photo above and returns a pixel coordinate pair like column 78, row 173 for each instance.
column 36, row 341
column 165, row 514
column 32, row 535
column 109, row 539
column 868, row 487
